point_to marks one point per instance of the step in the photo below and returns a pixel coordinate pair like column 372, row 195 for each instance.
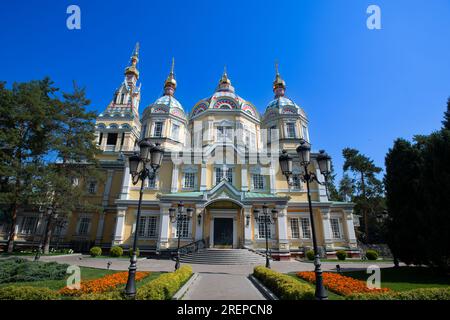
column 223, row 257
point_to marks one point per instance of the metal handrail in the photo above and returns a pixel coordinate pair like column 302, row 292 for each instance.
column 192, row 247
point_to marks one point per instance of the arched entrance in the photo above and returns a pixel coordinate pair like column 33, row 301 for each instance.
column 223, row 224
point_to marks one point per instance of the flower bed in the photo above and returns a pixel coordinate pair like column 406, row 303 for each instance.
column 103, row 284
column 340, row 284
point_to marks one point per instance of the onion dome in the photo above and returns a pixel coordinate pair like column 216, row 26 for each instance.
column 170, row 84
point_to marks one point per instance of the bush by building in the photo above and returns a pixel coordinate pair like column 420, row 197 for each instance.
column 20, row 270
column 371, row 255
column 116, row 251
column 27, row 293
column 95, row 251
column 341, row 254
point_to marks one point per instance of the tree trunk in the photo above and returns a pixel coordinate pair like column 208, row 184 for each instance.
column 48, row 235
column 364, row 209
column 12, row 232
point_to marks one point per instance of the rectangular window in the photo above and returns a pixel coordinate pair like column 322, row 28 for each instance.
column 29, row 225
column 184, row 228
column 295, row 228
column 175, row 131
column 122, row 140
column 335, row 228
column 92, row 187
column 112, row 139
column 272, row 134
column 258, row 182
column 157, row 131
column 296, row 181
column 100, row 138
column 189, row 180
column 229, row 174
column 83, row 227
column 224, row 134
column 305, row 132
column 219, row 175
column 290, row 129
column 151, row 182
column 306, row 228
column 262, row 229
column 148, row 227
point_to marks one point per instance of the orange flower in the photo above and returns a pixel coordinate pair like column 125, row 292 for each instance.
column 102, row 284
column 340, row 284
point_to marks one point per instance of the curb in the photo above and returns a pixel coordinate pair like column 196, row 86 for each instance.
column 180, row 293
column 262, row 288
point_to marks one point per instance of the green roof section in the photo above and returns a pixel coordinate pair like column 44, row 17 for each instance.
column 260, row 195
column 195, row 194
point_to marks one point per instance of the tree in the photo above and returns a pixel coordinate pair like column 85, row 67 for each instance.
column 367, row 184
column 446, row 121
column 346, row 188
column 330, row 185
column 26, row 126
column 61, row 188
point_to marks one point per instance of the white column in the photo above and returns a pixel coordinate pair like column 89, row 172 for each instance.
column 125, row 192
column 100, row 226
column 244, row 178
column 199, row 227
column 351, row 236
column 120, row 226
column 174, row 187
column 203, row 178
column 107, row 187
column 283, row 241
column 164, row 226
column 325, row 215
column 248, row 226
column 322, row 190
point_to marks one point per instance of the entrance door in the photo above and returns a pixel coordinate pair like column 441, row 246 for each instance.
column 223, row 232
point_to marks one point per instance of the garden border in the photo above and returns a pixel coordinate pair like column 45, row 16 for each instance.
column 269, row 295
column 182, row 291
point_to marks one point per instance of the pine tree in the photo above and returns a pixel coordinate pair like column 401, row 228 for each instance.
column 446, row 121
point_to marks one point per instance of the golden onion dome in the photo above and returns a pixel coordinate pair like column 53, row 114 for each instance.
column 170, row 81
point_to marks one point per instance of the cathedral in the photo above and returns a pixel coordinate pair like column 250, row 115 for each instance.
column 218, row 161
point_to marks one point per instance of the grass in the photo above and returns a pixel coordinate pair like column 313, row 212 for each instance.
column 406, row 278
column 31, row 254
column 86, row 274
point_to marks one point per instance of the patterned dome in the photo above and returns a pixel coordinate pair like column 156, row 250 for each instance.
column 284, row 105
column 225, row 99
column 166, row 104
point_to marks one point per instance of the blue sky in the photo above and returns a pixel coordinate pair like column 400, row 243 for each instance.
column 361, row 88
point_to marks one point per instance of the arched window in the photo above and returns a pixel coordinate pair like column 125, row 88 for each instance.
column 122, row 98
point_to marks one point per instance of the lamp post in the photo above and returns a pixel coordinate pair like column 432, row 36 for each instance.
column 324, row 161
column 267, row 218
column 179, row 217
column 150, row 156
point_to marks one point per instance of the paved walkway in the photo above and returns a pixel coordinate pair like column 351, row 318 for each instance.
column 222, row 286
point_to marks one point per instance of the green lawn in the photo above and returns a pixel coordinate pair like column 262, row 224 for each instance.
column 86, row 274
column 406, row 278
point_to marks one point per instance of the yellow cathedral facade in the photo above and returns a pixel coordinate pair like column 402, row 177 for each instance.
column 218, row 161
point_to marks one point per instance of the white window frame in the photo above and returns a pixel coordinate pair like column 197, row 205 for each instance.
column 260, row 229
column 336, row 234
column 288, row 133
column 305, row 234
column 155, row 126
column 88, row 226
column 297, row 231
column 263, row 180
column 305, row 132
column 224, row 170
column 173, row 135
column 189, row 176
column 144, row 227
column 31, row 227
column 186, row 226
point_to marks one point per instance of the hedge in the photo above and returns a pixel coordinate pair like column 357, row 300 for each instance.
column 341, row 254
column 27, row 293
column 111, row 295
column 416, row 294
column 372, row 254
column 116, row 251
column 165, row 286
column 95, row 251
column 283, row 286
column 19, row 270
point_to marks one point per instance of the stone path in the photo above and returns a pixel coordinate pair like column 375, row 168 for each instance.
column 222, row 286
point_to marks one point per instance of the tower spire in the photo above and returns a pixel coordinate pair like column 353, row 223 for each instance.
column 170, row 84
column 279, row 86
column 132, row 68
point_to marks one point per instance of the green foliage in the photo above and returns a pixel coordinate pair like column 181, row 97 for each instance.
column 283, row 286
column 165, row 286
column 95, row 251
column 110, row 295
column 27, row 293
column 310, row 255
column 371, row 254
column 416, row 294
column 116, row 251
column 446, row 121
column 130, row 252
column 417, row 187
column 20, row 270
column 341, row 254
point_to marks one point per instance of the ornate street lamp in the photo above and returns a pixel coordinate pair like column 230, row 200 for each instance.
column 179, row 217
column 324, row 161
column 142, row 166
column 267, row 217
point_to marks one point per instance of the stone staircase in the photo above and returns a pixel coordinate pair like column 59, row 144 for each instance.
column 223, row 257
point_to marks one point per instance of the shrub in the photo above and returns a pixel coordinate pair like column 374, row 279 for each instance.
column 95, row 251
column 310, row 255
column 130, row 252
column 416, row 294
column 111, row 295
column 19, row 270
column 165, row 286
column 340, row 284
column 283, row 286
column 116, row 251
column 341, row 254
column 371, row 254
column 27, row 293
